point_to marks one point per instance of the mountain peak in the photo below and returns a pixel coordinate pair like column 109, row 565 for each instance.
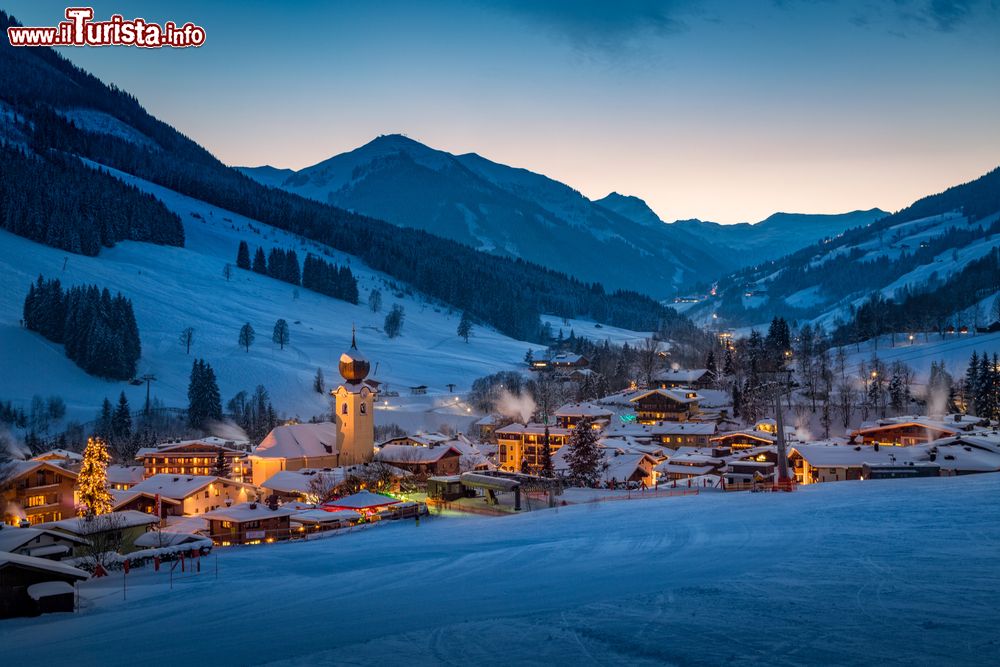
column 631, row 207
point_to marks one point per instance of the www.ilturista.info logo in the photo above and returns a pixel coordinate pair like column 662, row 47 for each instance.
column 81, row 30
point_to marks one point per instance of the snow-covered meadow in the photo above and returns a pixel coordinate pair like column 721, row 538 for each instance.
column 859, row 573
column 174, row 288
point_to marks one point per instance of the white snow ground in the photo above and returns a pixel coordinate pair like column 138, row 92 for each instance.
column 173, row 288
column 852, row 573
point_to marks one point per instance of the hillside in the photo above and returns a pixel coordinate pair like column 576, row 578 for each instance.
column 173, row 288
column 502, row 210
column 935, row 253
column 72, row 112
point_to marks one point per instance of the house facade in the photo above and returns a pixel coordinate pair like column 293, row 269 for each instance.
column 37, row 491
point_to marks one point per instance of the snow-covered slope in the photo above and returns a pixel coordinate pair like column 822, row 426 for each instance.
column 173, row 288
column 917, row 250
column 893, row 572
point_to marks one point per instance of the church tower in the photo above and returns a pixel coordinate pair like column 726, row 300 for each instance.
column 354, row 408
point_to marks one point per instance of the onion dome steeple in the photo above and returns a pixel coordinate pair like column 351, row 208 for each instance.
column 353, row 365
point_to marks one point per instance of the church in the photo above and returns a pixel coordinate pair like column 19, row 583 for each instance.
column 354, row 408
column 348, row 439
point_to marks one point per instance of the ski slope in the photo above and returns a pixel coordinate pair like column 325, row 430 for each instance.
column 174, row 288
column 852, row 573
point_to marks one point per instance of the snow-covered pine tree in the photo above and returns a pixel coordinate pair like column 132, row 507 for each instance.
column 243, row 256
column 105, row 418
column 221, row 467
column 259, row 262
column 585, row 458
column 545, row 463
column 319, row 384
column 92, row 483
column 204, row 401
column 972, row 383
column 121, row 423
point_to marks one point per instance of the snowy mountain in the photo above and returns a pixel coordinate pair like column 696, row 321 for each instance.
column 936, row 255
column 743, row 244
column 502, row 210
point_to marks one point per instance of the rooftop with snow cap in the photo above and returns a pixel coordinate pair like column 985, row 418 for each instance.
column 299, row 440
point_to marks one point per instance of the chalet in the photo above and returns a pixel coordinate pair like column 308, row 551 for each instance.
column 123, row 478
column 569, row 361
column 419, row 390
column 418, row 440
column 689, row 465
column 249, row 523
column 656, row 405
column 37, row 491
column 744, row 439
column 192, row 457
column 30, row 586
column 629, row 469
column 315, row 520
column 39, row 543
column 519, row 446
column 908, row 431
column 745, row 473
column 62, row 458
column 147, row 503
column 119, row 528
column 196, row 494
column 569, row 415
column 423, row 461
column 294, row 447
column 696, row 378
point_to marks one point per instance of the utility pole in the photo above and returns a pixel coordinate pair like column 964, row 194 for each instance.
column 147, row 378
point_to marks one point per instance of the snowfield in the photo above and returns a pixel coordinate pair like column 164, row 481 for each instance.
column 173, row 288
column 890, row 573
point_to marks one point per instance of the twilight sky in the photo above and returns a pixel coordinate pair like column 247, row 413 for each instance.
column 726, row 111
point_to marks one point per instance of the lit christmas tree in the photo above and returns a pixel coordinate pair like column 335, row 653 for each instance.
column 95, row 499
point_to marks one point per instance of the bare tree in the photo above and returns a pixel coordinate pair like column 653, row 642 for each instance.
column 187, row 339
column 227, row 271
column 105, row 535
column 649, row 359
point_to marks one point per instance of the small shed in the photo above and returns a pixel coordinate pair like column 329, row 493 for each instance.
column 26, row 585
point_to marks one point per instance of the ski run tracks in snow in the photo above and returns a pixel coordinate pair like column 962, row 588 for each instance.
column 886, row 573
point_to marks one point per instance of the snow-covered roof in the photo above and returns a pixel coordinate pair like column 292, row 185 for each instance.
column 667, row 467
column 409, row 454
column 82, row 526
column 585, row 409
column 247, row 512
column 681, row 375
column 677, row 395
column 361, row 500
column 179, row 487
column 155, row 539
column 623, row 466
column 49, row 588
column 299, row 440
column 41, row 564
column 323, row 516
column 532, row 429
column 119, row 474
column 12, row 539
column 58, row 454
column 21, row 468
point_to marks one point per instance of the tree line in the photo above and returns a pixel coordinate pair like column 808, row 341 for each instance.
column 316, row 273
column 99, row 331
column 54, row 199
